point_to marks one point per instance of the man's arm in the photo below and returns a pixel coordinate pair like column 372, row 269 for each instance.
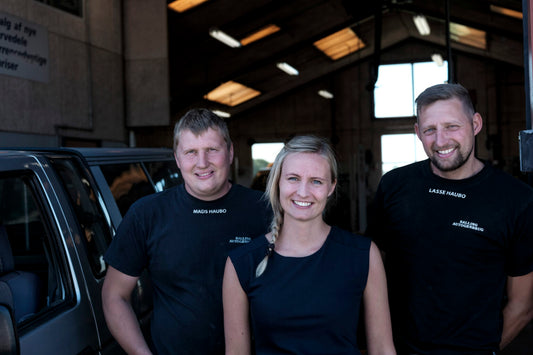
column 519, row 309
column 119, row 314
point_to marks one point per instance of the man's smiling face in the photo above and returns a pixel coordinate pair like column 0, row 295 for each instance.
column 448, row 136
column 204, row 161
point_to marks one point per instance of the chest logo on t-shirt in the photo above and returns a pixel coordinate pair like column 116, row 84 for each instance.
column 240, row 240
column 446, row 192
column 214, row 211
column 468, row 225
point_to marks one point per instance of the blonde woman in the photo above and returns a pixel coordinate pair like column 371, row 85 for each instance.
column 298, row 290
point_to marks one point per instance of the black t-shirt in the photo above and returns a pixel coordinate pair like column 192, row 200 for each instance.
column 183, row 242
column 449, row 247
column 306, row 305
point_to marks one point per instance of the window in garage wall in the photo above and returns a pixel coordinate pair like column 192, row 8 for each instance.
column 398, row 86
column 71, row 6
column 263, row 155
column 399, row 150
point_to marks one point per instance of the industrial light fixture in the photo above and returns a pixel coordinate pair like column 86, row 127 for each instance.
column 222, row 114
column 422, row 25
column 231, row 93
column 507, row 12
column 224, row 38
column 340, row 44
column 468, row 35
column 437, row 58
column 287, row 68
column 325, row 94
column 260, row 34
column 184, row 5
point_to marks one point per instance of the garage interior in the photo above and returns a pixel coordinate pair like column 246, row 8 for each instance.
column 123, row 72
column 491, row 69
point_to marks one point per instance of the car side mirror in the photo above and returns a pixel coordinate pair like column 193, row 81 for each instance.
column 8, row 338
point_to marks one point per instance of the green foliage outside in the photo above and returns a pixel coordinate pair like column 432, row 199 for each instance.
column 259, row 164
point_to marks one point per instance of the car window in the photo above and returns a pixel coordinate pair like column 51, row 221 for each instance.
column 127, row 182
column 164, row 174
column 91, row 216
column 32, row 270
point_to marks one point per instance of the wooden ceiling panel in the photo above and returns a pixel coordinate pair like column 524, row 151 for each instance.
column 199, row 63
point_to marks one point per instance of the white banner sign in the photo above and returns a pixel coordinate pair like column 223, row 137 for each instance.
column 23, row 49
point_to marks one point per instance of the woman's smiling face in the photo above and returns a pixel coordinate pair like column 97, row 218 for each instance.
column 305, row 185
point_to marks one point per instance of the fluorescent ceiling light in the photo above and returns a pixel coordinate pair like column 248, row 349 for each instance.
column 325, row 94
column 222, row 114
column 224, row 38
column 507, row 12
column 340, row 44
column 468, row 35
column 287, row 68
column 421, row 25
column 184, row 5
column 260, row 34
column 232, row 93
column 437, row 58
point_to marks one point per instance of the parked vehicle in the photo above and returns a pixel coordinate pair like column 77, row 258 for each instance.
column 59, row 210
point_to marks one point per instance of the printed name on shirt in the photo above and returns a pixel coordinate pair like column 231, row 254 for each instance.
column 217, row 211
column 447, row 193
column 469, row 225
column 240, row 240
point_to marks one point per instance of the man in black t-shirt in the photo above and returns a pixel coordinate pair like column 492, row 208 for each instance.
column 182, row 236
column 457, row 236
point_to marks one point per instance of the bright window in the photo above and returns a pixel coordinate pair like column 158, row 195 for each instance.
column 399, row 150
column 264, row 154
column 398, row 86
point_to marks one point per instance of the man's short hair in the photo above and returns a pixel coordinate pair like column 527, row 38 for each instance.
column 198, row 121
column 445, row 92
